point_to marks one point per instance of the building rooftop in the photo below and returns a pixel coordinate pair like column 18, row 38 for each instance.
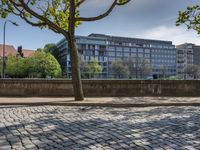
column 119, row 39
column 10, row 50
column 128, row 39
column 28, row 53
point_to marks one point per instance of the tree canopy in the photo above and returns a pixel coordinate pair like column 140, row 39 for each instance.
column 51, row 48
column 190, row 17
column 39, row 65
column 192, row 71
column 16, row 67
column 118, row 69
column 52, row 14
column 61, row 16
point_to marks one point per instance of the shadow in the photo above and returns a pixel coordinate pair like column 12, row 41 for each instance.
column 104, row 128
column 155, row 99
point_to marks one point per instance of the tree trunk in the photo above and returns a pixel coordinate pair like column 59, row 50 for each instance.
column 76, row 76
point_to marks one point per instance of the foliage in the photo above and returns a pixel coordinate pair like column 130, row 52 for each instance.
column 51, row 48
column 1, row 66
column 144, row 67
column 16, row 67
column 53, row 14
column 163, row 69
column 178, row 77
column 192, row 71
column 93, row 68
column 83, row 67
column 61, row 16
column 39, row 65
column 138, row 67
column 119, row 69
column 190, row 17
column 43, row 65
column 90, row 69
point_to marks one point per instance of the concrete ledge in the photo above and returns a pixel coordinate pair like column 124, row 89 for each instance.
column 121, row 102
column 105, row 105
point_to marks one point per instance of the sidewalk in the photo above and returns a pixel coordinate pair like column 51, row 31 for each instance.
column 104, row 102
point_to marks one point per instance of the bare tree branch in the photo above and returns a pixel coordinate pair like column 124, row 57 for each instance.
column 105, row 14
column 49, row 23
column 80, row 2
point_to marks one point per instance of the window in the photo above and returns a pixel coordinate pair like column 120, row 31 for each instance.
column 87, row 52
column 102, row 48
column 140, row 55
column 101, row 58
column 118, row 48
column 147, row 55
column 111, row 53
column 126, row 54
column 147, row 50
column 140, row 50
column 91, row 57
column 87, row 58
column 111, row 59
column 102, row 53
column 133, row 50
column 166, row 47
column 133, row 54
column 111, row 48
column 126, row 49
column 118, row 53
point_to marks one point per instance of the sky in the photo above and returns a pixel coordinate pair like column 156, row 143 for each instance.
column 148, row 19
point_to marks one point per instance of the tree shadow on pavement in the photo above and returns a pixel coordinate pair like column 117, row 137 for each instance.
column 106, row 128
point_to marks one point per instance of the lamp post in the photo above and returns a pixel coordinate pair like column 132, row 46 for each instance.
column 4, row 46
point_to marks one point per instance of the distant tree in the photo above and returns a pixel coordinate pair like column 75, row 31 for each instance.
column 40, row 50
column 1, row 66
column 177, row 77
column 93, row 68
column 138, row 67
column 144, row 67
column 90, row 69
column 192, row 71
column 119, row 69
column 190, row 17
column 132, row 67
column 43, row 65
column 39, row 65
column 83, row 69
column 61, row 16
column 16, row 67
column 51, row 48
column 163, row 69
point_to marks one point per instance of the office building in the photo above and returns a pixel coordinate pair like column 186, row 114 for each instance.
column 161, row 55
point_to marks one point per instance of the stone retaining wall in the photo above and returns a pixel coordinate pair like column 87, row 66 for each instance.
column 97, row 88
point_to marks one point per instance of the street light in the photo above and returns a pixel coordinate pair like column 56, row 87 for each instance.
column 4, row 46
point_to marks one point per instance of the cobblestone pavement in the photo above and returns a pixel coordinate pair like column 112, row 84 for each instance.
column 51, row 127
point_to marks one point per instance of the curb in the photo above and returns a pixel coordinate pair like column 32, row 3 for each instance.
column 116, row 105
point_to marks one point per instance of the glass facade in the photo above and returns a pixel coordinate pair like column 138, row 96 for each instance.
column 159, row 54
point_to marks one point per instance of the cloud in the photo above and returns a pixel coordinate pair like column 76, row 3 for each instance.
column 177, row 35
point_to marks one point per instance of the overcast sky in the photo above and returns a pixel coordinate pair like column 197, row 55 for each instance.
column 149, row 19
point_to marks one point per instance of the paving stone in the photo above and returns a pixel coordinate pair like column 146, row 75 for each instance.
column 57, row 127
